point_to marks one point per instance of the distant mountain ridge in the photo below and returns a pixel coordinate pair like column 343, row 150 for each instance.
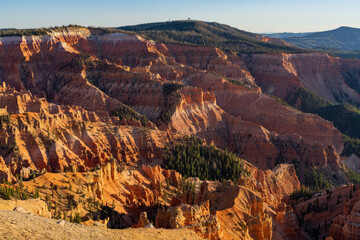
column 343, row 38
column 199, row 33
column 284, row 35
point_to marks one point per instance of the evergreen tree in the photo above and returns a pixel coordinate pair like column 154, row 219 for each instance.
column 193, row 159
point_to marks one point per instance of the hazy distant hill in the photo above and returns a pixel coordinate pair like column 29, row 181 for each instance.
column 208, row 34
column 5, row 29
column 343, row 38
column 286, row 35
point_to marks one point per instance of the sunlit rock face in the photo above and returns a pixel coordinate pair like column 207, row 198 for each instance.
column 59, row 93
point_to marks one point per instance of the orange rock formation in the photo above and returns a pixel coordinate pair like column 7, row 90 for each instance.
column 59, row 92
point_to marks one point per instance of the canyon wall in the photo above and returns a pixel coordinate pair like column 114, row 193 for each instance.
column 71, row 111
column 103, row 72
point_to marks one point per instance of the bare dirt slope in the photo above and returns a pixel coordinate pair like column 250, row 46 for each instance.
column 15, row 225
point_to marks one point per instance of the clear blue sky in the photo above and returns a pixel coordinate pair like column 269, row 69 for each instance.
column 250, row 15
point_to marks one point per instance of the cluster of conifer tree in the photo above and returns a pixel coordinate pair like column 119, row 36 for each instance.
column 168, row 88
column 34, row 31
column 193, row 159
column 8, row 191
column 345, row 117
column 23, row 32
column 197, row 33
column 125, row 112
column 304, row 192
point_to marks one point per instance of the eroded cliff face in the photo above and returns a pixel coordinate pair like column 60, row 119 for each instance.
column 100, row 72
column 249, row 209
column 284, row 134
column 280, row 74
column 44, row 136
column 257, row 120
column 127, row 189
column 56, row 109
column 346, row 226
column 326, row 213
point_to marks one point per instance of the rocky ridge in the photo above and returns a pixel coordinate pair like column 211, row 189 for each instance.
column 17, row 225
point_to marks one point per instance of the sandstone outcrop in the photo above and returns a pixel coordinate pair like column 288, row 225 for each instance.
column 157, row 175
column 197, row 218
column 347, row 226
column 33, row 206
column 243, row 211
column 125, row 189
column 287, row 220
column 143, row 221
column 274, row 185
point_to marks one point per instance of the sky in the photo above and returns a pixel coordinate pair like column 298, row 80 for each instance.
column 260, row 16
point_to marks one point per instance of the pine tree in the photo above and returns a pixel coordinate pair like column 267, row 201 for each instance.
column 77, row 218
column 49, row 205
column 36, row 193
column 58, row 215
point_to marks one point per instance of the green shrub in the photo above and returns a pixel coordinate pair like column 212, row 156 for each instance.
column 77, row 218
column 168, row 88
column 36, row 193
column 6, row 192
column 316, row 179
column 10, row 191
column 7, row 149
column 353, row 176
column 4, row 119
column 304, row 192
column 351, row 146
column 165, row 116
